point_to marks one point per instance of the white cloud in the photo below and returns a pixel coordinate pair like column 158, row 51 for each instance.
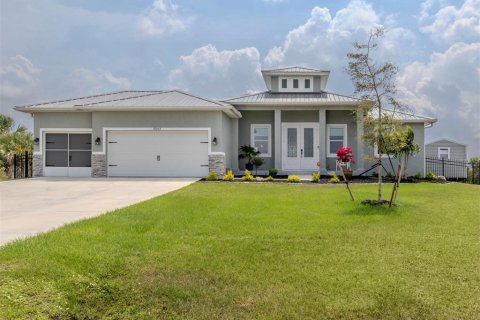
column 83, row 81
column 447, row 87
column 163, row 18
column 323, row 41
column 17, row 76
column 451, row 24
column 219, row 74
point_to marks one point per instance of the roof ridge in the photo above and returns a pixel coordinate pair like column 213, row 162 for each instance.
column 150, row 93
column 198, row 97
column 293, row 67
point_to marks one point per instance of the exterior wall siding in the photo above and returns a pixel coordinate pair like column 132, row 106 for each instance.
column 244, row 134
column 153, row 119
column 415, row 164
column 274, row 83
column 457, row 151
column 60, row 120
column 342, row 117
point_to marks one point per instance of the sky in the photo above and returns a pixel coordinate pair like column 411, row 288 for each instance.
column 54, row 49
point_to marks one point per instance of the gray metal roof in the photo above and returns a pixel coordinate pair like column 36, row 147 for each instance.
column 407, row 117
column 134, row 100
column 294, row 70
column 74, row 102
column 279, row 98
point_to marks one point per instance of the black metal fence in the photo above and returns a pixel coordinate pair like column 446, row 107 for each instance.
column 22, row 165
column 462, row 170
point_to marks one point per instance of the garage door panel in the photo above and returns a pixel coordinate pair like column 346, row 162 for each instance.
column 158, row 153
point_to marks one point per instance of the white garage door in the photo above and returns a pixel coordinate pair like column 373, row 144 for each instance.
column 158, row 153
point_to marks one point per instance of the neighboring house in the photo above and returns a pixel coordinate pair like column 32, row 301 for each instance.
column 446, row 149
column 453, row 156
column 294, row 124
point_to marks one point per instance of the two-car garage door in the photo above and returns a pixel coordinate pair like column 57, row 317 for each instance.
column 169, row 153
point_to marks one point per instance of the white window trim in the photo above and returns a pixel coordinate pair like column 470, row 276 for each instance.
column 342, row 126
column 301, row 84
column 252, row 138
column 448, row 152
column 375, row 152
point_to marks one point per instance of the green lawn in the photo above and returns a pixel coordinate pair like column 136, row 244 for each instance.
column 248, row 251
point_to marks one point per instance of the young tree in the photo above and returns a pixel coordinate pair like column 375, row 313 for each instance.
column 375, row 83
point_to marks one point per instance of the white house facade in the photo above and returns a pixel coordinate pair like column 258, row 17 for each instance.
column 295, row 125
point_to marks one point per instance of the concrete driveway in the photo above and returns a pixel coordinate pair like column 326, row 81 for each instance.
column 31, row 206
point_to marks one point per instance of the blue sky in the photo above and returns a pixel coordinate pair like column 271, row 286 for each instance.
column 55, row 49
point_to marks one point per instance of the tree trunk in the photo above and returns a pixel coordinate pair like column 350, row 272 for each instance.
column 380, row 179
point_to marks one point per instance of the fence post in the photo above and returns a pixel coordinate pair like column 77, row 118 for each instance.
column 26, row 164
column 443, row 167
column 14, row 166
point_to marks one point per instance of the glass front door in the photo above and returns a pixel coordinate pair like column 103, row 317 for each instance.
column 300, row 146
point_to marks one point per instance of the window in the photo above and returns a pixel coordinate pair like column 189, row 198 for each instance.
column 444, row 153
column 295, row 83
column 337, row 138
column 284, row 83
column 307, row 83
column 261, row 139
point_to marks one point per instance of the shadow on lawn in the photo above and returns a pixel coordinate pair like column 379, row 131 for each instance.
column 367, row 210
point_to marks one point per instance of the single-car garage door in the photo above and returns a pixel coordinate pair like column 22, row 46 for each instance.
column 172, row 153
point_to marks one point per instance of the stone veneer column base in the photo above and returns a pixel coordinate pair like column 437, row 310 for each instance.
column 37, row 165
column 216, row 162
column 99, row 165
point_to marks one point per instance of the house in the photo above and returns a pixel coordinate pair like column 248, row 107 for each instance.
column 446, row 149
column 295, row 124
column 446, row 158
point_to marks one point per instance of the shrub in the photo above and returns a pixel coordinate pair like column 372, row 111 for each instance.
column 316, row 177
column 273, row 172
column 431, row 176
column 248, row 176
column 389, row 174
column 418, row 175
column 212, row 176
column 229, row 176
column 293, row 179
column 269, row 179
column 257, row 162
column 334, row 179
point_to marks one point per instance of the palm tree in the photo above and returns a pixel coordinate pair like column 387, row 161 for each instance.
column 12, row 141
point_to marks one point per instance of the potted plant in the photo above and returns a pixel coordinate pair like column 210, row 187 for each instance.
column 345, row 158
column 257, row 162
column 248, row 152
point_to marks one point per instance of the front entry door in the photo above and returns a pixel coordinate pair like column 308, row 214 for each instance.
column 299, row 146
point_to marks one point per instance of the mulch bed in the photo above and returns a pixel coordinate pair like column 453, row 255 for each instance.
column 324, row 180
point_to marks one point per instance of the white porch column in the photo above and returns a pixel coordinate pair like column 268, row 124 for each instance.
column 278, row 139
column 360, row 146
column 322, row 139
column 235, row 151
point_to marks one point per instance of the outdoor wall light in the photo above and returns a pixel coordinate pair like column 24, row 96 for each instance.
column 214, row 141
column 97, row 141
column 36, row 141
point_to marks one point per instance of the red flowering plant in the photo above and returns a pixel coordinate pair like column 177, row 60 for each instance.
column 345, row 155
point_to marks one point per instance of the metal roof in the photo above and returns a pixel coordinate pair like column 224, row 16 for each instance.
column 448, row 140
column 134, row 100
column 407, row 117
column 282, row 98
column 71, row 103
column 294, row 70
